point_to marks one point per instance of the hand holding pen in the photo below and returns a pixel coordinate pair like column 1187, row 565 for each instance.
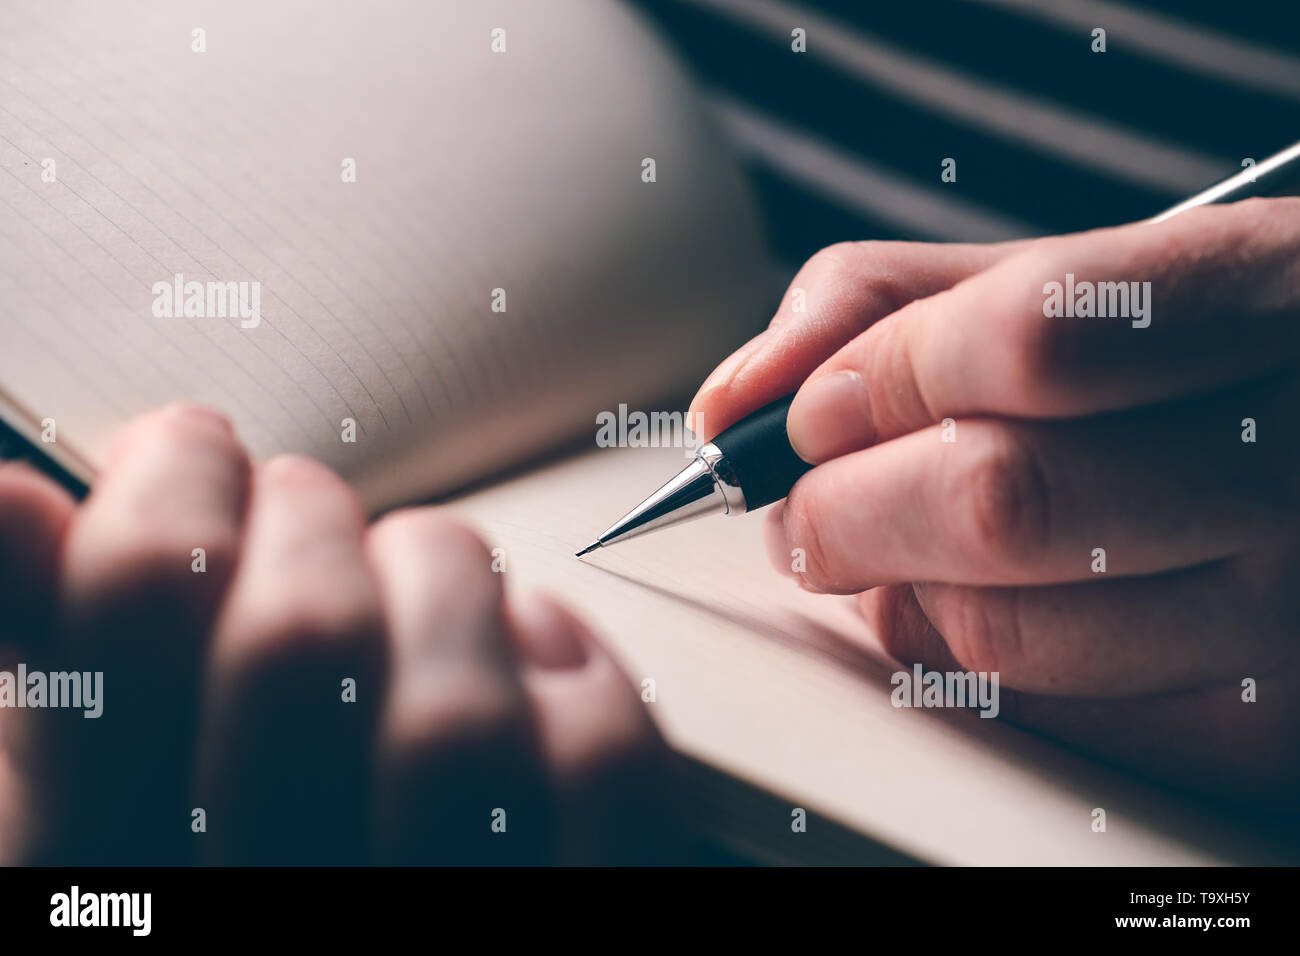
column 1105, row 509
column 1043, row 459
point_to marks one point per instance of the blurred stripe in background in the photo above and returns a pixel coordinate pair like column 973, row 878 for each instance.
column 846, row 140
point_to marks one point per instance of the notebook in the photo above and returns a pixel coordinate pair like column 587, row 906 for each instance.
column 428, row 243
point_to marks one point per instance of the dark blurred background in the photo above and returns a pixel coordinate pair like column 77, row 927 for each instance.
column 846, row 140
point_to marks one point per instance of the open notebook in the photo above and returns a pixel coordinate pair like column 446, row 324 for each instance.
column 145, row 146
column 496, row 271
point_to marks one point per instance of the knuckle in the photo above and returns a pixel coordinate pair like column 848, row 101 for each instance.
column 1006, row 512
column 838, row 257
column 861, row 269
column 983, row 631
column 860, row 281
column 823, row 280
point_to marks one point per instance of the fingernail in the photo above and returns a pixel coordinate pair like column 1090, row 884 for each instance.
column 778, row 548
column 830, row 416
column 548, row 636
column 790, row 562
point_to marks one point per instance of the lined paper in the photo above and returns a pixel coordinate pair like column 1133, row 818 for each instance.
column 475, row 171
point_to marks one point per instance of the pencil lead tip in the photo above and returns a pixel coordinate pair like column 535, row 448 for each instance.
column 587, row 550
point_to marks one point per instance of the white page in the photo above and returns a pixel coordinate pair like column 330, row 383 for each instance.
column 475, row 171
column 789, row 691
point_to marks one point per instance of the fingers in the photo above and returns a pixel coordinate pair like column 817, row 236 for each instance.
column 308, row 603
column 606, row 762
column 507, row 736
column 1023, row 503
column 1107, row 638
column 294, row 680
column 459, row 779
column 1220, row 306
column 176, row 481
column 837, row 294
column 34, row 513
column 1230, row 739
column 137, row 595
column 33, row 516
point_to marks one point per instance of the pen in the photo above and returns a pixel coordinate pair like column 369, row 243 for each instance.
column 751, row 464
column 64, row 470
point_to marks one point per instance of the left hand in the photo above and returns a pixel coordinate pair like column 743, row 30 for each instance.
column 477, row 727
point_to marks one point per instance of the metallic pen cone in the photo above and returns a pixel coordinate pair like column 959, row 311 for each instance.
column 693, row 493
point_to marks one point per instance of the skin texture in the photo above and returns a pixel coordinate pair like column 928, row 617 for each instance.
column 1069, row 434
column 223, row 690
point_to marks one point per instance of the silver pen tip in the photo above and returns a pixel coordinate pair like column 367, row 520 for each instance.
column 587, row 550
